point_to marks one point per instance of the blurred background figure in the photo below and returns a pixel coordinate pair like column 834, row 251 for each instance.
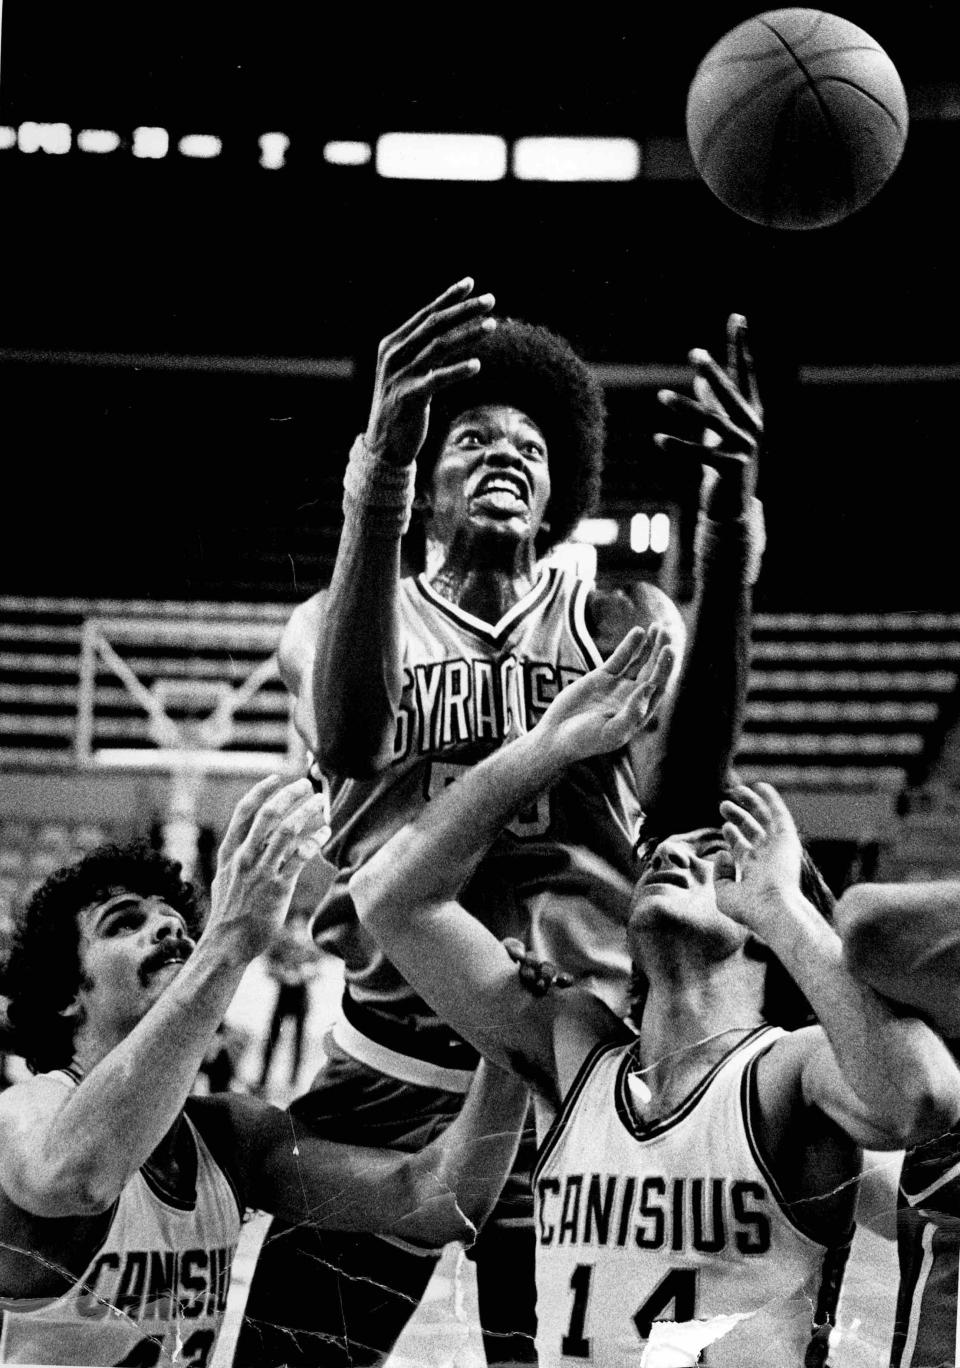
column 218, row 1072
column 292, row 962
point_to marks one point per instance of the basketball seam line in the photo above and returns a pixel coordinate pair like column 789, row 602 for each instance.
column 825, row 111
column 806, row 75
column 755, row 58
column 843, row 80
column 867, row 95
column 705, row 151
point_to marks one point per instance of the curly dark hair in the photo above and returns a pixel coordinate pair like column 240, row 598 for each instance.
column 532, row 369
column 783, row 1002
column 42, row 972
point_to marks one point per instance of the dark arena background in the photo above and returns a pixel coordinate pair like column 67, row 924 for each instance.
column 202, row 240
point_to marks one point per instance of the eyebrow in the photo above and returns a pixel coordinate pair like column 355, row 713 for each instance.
column 114, row 904
column 710, row 838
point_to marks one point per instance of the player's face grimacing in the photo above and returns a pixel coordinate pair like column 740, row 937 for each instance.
column 492, row 471
column 131, row 948
column 675, row 891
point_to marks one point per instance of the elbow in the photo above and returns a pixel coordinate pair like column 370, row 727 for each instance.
column 916, row 1126
column 350, row 741
column 936, row 1110
column 343, row 751
column 68, row 1192
column 929, row 1108
column 86, row 1188
column 431, row 1213
column 370, row 893
column 92, row 1200
column 472, row 1212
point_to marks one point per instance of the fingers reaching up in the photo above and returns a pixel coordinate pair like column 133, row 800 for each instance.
column 434, row 348
column 604, row 709
column 275, row 830
column 726, row 407
column 763, row 849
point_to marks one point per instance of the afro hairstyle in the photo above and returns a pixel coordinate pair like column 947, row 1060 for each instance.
column 43, row 973
column 531, row 369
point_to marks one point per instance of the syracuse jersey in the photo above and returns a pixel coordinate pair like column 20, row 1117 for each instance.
column 154, row 1293
column 466, row 685
column 927, row 1331
column 677, row 1220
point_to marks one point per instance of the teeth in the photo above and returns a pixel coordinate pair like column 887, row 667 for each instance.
column 501, row 485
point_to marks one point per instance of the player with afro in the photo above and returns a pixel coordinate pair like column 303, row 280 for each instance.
column 489, row 432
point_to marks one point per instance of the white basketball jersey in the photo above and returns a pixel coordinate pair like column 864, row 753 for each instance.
column 676, row 1220
column 154, row 1293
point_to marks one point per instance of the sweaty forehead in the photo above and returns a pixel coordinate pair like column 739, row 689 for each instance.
column 110, row 898
column 498, row 415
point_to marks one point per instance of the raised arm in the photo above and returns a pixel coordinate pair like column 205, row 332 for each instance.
column 702, row 728
column 406, row 895
column 65, row 1153
column 887, row 1080
column 350, row 660
column 443, row 1192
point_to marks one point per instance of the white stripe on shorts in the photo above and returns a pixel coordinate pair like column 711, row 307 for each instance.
column 395, row 1065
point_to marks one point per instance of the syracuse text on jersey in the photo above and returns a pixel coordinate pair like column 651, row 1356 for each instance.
column 450, row 703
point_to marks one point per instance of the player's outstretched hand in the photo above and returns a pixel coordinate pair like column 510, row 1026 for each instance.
column 431, row 350
column 604, row 709
column 275, row 829
column 537, row 976
column 764, row 849
column 726, row 408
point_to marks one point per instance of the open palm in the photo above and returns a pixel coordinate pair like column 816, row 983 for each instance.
column 602, row 711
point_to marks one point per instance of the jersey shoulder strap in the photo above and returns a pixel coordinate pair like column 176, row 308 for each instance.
column 211, row 1121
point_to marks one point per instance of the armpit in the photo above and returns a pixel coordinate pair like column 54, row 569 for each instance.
column 539, row 1078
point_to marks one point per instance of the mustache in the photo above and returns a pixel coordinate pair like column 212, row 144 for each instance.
column 176, row 951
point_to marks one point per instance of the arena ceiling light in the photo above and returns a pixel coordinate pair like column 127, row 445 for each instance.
column 596, row 531
column 576, row 159
column 200, row 145
column 151, row 143
column 649, row 533
column 273, row 150
column 579, row 558
column 441, row 156
column 347, row 152
column 98, row 140
column 44, row 137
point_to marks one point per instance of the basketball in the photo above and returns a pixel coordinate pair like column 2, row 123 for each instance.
column 796, row 118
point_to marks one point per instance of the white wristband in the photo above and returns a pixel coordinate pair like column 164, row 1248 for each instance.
column 745, row 537
column 378, row 491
